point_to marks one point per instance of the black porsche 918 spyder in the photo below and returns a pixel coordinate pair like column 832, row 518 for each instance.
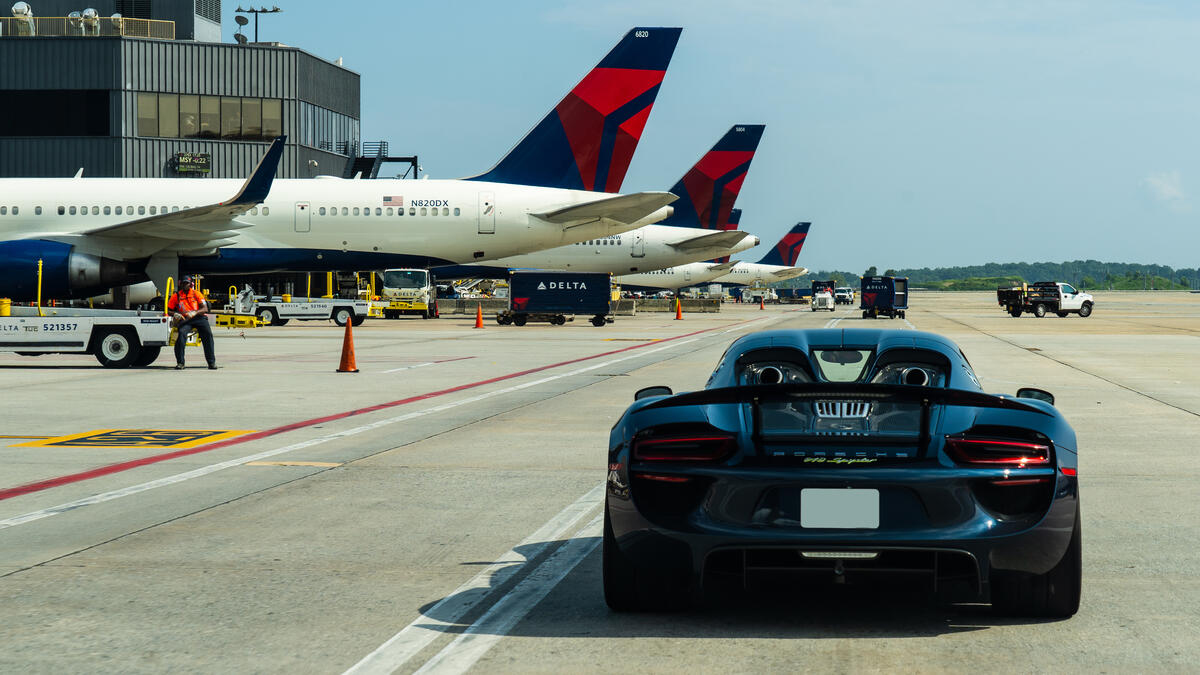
column 843, row 455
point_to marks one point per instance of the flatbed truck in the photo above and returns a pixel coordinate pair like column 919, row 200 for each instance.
column 1044, row 296
column 278, row 310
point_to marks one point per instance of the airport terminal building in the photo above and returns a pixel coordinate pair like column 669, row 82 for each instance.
column 145, row 88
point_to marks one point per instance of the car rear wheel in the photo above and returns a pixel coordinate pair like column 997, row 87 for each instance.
column 628, row 589
column 1053, row 594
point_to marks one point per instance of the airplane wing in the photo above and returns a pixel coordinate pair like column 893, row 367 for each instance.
column 200, row 229
column 790, row 272
column 621, row 208
column 727, row 239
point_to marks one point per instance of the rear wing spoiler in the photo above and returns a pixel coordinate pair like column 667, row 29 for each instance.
column 890, row 393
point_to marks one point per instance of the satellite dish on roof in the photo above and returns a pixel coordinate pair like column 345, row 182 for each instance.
column 241, row 39
column 241, row 20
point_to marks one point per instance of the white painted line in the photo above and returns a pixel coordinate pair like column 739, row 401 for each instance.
column 468, row 648
column 443, row 617
column 909, row 323
column 832, row 323
column 213, row 468
column 396, row 370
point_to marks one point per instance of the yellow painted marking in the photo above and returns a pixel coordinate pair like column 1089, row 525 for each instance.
column 294, row 463
column 136, row 438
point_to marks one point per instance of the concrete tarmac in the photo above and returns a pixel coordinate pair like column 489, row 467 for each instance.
column 437, row 510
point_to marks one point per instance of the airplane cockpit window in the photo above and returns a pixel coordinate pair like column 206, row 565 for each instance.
column 457, row 211
column 266, row 210
column 412, row 210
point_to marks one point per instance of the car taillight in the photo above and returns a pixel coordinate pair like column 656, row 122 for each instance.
column 994, row 451
column 684, row 448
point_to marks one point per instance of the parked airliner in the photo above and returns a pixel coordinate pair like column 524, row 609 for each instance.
column 692, row 233
column 729, row 273
column 551, row 189
column 778, row 264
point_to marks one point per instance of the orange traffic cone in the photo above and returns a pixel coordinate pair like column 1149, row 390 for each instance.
column 760, row 302
column 479, row 315
column 347, row 365
column 678, row 310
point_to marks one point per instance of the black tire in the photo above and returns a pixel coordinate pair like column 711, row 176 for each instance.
column 1015, row 312
column 1086, row 310
column 391, row 314
column 358, row 320
column 1039, row 310
column 267, row 316
column 620, row 576
column 149, row 355
column 519, row 319
column 427, row 314
column 1053, row 594
column 598, row 321
column 1062, row 315
column 866, row 313
column 281, row 322
column 117, row 347
column 500, row 319
column 342, row 315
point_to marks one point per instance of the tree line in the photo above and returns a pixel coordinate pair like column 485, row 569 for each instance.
column 1083, row 274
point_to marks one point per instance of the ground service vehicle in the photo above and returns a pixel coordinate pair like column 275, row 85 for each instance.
column 843, row 295
column 118, row 338
column 553, row 296
column 760, row 295
column 852, row 456
column 1045, row 296
column 887, row 296
column 822, row 295
column 277, row 311
column 409, row 291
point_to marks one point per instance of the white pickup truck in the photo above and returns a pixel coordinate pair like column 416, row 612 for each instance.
column 1045, row 296
column 118, row 338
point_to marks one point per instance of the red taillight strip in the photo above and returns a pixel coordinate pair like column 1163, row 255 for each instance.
column 1068, row 471
column 662, row 479
column 720, row 447
column 959, row 447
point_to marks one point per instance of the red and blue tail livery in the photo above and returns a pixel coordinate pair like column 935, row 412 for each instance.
column 587, row 141
column 708, row 190
column 788, row 248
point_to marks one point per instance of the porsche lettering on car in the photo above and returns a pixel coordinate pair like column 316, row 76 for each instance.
column 843, row 456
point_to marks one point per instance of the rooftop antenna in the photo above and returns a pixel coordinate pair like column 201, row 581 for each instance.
column 256, row 12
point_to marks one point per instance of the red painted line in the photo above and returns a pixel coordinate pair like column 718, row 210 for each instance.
column 28, row 488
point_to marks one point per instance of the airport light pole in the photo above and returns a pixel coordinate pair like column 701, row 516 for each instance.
column 256, row 12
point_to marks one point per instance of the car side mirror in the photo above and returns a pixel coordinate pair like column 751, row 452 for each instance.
column 1036, row 394
column 652, row 391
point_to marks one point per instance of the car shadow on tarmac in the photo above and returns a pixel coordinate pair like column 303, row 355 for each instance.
column 575, row 608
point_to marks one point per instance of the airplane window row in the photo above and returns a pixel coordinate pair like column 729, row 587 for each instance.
column 114, row 210
column 266, row 211
column 600, row 242
column 380, row 211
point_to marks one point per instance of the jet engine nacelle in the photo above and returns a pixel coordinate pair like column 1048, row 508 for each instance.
column 66, row 273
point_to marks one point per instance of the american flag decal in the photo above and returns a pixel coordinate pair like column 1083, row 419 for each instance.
column 393, row 200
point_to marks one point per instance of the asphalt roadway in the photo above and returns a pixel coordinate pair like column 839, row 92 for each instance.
column 438, row 511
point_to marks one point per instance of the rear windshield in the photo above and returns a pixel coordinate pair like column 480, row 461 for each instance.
column 842, row 365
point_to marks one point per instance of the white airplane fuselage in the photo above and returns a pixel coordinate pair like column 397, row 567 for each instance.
column 675, row 277
column 644, row 249
column 308, row 224
column 745, row 274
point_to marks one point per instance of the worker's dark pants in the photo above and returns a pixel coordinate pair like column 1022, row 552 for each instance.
column 200, row 323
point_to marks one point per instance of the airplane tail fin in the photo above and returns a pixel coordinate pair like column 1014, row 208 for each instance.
column 735, row 217
column 788, row 248
column 587, row 141
column 708, row 190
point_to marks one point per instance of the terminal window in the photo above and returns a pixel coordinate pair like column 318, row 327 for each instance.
column 226, row 117
column 54, row 112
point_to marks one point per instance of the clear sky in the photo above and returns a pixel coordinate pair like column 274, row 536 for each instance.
column 912, row 133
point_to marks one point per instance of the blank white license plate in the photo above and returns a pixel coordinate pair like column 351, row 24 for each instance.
column 834, row 508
